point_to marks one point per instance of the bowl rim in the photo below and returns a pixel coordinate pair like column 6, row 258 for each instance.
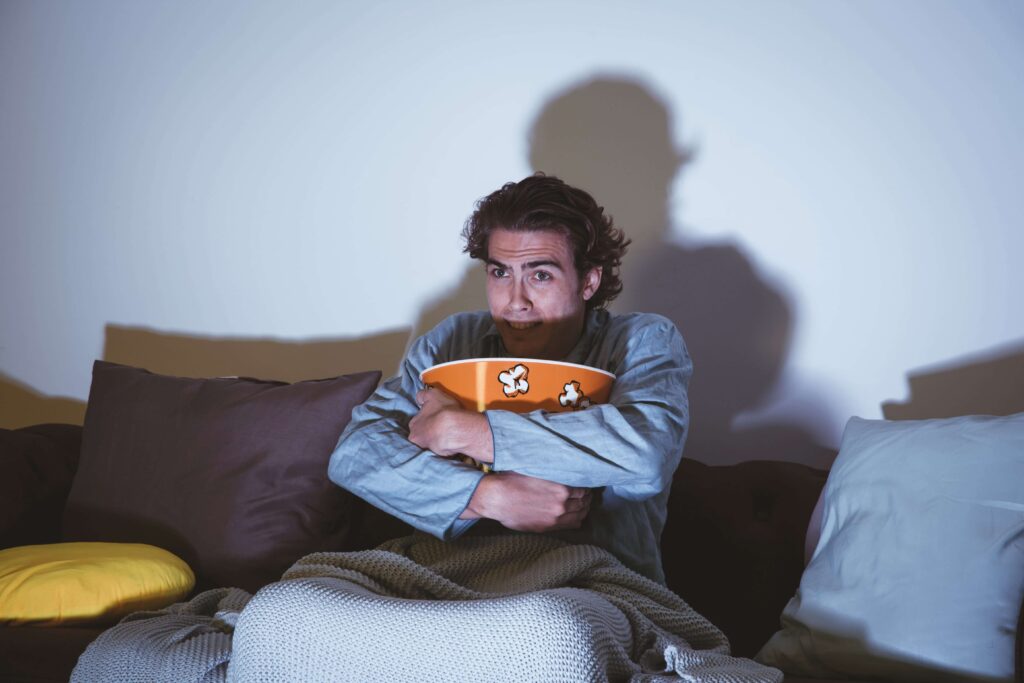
column 517, row 359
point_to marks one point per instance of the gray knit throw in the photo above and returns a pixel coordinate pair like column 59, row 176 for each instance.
column 505, row 608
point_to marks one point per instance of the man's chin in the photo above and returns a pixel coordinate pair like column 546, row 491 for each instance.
column 521, row 345
column 523, row 351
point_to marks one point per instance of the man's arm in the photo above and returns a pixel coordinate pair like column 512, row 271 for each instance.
column 446, row 428
column 375, row 460
column 517, row 501
column 631, row 444
column 528, row 504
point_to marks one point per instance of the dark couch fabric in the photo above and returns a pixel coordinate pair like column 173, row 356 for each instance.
column 734, row 542
column 36, row 467
column 35, row 655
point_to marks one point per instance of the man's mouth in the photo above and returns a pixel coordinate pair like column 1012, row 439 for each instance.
column 522, row 326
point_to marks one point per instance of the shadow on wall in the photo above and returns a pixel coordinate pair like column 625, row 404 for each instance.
column 21, row 405
column 470, row 294
column 613, row 137
column 191, row 356
column 989, row 385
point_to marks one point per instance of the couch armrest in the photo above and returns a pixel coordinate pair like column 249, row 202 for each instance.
column 37, row 465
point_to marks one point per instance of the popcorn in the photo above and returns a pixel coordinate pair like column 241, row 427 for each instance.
column 514, row 380
column 574, row 396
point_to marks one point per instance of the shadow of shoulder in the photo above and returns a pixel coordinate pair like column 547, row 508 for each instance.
column 990, row 383
column 263, row 358
column 21, row 406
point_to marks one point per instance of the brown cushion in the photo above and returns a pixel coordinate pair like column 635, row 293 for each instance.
column 228, row 474
column 36, row 467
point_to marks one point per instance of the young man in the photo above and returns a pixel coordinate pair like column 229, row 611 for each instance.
column 599, row 476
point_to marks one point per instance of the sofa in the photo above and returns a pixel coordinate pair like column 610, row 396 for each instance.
column 733, row 546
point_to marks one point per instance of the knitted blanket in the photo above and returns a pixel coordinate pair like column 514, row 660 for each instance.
column 515, row 608
column 188, row 641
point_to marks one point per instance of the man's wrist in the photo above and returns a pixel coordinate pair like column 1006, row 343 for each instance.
column 477, row 507
column 473, row 434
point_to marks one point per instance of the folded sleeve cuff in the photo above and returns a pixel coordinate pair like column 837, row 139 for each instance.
column 460, row 526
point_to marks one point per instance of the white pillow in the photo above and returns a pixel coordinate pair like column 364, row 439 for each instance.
column 919, row 571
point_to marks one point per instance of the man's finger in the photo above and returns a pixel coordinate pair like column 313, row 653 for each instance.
column 570, row 520
column 577, row 504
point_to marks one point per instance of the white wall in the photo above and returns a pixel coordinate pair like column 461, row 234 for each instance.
column 300, row 171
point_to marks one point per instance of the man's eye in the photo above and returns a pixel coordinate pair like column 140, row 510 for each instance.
column 542, row 276
column 498, row 272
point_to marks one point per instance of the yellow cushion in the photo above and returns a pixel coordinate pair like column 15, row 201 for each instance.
column 62, row 583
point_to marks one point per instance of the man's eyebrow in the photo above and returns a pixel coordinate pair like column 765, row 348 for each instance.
column 538, row 264
column 529, row 264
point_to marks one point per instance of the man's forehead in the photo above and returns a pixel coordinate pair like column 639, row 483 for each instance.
column 525, row 246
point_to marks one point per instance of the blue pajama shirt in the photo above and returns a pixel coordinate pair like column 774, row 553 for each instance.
column 628, row 447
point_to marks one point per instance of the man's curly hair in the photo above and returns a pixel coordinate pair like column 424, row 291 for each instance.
column 543, row 202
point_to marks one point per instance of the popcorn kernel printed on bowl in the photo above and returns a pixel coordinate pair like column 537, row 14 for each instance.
column 573, row 396
column 514, row 380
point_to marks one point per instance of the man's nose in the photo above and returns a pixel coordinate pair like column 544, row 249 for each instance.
column 520, row 300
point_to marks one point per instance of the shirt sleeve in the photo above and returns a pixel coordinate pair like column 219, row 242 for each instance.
column 375, row 460
column 631, row 444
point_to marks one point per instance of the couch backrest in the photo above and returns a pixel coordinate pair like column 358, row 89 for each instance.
column 37, row 465
column 733, row 544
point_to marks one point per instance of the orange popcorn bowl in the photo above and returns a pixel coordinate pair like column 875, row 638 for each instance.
column 520, row 384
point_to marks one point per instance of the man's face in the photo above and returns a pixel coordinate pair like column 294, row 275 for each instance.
column 537, row 299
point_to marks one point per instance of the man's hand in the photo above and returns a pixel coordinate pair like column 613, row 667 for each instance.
column 446, row 428
column 528, row 504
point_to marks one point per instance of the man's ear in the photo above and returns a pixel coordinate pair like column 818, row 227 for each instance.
column 591, row 281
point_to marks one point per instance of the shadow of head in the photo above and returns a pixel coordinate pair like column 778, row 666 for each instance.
column 613, row 138
column 609, row 136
